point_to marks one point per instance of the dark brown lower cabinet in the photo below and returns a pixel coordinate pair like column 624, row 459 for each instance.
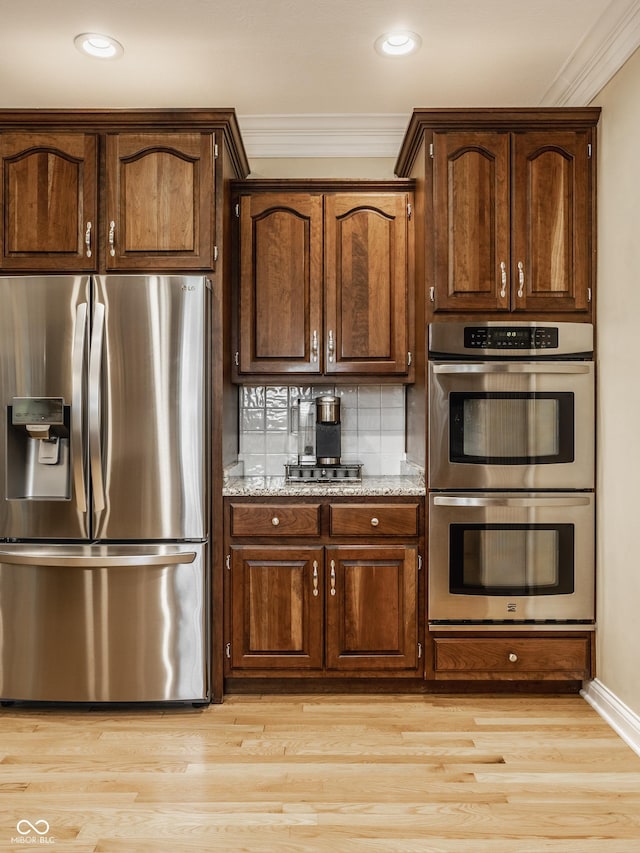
column 321, row 609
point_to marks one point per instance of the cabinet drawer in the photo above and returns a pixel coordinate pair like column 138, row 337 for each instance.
column 372, row 519
column 275, row 519
column 505, row 658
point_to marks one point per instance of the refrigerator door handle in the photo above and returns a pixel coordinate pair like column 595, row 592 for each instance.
column 77, row 405
column 95, row 369
column 85, row 561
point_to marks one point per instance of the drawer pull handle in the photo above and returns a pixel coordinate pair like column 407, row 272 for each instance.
column 315, row 578
column 374, row 522
column 333, row 577
column 275, row 521
column 513, row 657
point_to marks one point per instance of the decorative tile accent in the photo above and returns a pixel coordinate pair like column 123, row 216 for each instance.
column 253, row 397
column 277, row 398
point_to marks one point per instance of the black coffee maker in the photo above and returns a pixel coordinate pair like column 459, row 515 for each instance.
column 328, row 430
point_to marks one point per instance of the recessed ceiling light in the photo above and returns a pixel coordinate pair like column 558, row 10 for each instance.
column 95, row 44
column 398, row 44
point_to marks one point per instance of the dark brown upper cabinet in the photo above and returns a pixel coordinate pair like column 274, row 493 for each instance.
column 509, row 199
column 115, row 190
column 324, row 282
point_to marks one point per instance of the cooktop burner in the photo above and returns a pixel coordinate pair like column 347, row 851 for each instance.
column 300, row 473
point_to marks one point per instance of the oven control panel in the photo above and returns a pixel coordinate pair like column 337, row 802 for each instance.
column 511, row 337
column 518, row 340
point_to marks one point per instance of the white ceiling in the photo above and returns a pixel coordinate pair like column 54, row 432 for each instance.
column 301, row 72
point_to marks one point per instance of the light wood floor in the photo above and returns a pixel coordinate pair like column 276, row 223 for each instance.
column 363, row 774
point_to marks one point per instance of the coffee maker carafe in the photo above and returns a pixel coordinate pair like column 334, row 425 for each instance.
column 328, row 430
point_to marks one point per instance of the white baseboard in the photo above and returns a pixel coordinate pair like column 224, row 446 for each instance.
column 621, row 718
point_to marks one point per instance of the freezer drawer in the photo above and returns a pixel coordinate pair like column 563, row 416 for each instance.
column 103, row 623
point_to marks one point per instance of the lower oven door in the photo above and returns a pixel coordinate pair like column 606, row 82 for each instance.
column 511, row 557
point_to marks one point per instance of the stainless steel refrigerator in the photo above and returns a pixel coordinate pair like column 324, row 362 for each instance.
column 103, row 488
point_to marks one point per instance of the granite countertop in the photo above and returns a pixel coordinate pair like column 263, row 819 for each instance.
column 368, row 487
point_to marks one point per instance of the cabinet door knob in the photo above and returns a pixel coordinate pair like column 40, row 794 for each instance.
column 314, row 346
column 503, row 279
column 374, row 522
column 513, row 657
column 315, row 578
column 112, row 238
column 275, row 521
column 333, row 578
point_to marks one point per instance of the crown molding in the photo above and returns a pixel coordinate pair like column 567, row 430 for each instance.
column 603, row 51
column 326, row 135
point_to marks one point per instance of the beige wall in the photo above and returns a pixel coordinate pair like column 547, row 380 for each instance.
column 618, row 423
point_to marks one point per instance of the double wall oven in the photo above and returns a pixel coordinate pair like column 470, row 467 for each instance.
column 511, row 475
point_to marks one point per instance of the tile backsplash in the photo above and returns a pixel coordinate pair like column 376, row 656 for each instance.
column 373, row 426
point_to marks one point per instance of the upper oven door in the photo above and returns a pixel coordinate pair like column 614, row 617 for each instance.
column 511, row 425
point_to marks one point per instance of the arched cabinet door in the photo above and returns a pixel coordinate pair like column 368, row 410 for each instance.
column 367, row 284
column 48, row 194
column 471, row 221
column 280, row 305
column 160, row 201
column 551, row 224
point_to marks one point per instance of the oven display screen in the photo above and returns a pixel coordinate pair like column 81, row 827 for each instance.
column 510, row 337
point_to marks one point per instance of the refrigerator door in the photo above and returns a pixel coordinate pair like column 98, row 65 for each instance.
column 147, row 408
column 44, row 323
column 81, row 623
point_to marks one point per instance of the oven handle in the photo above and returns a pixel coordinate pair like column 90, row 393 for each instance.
column 512, row 367
column 548, row 500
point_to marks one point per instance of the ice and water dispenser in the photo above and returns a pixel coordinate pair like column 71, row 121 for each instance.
column 37, row 463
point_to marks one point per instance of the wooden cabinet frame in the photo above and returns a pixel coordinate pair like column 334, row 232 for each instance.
column 508, row 202
column 154, row 174
column 325, row 280
column 311, row 601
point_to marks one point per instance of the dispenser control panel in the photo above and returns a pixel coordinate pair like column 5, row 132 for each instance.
column 37, row 410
